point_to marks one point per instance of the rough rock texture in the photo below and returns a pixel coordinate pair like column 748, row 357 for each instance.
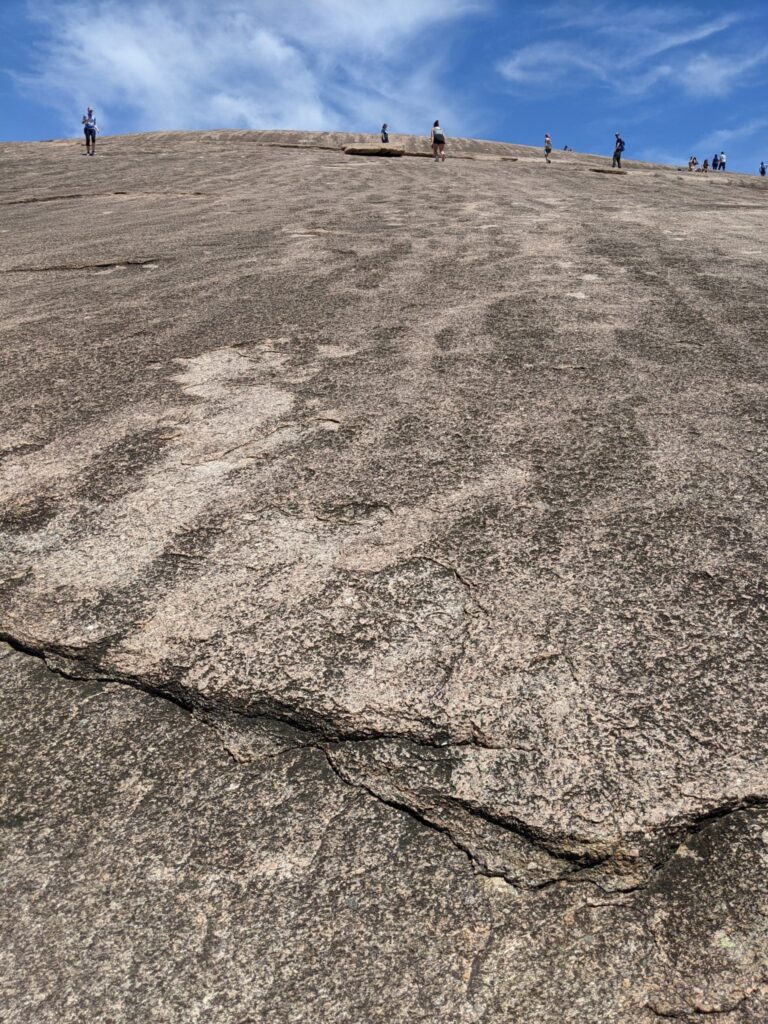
column 426, row 507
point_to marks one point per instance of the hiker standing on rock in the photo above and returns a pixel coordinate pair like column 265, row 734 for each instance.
column 762, row 169
column 89, row 128
column 438, row 141
column 384, row 133
column 547, row 147
column 618, row 149
column 715, row 162
column 722, row 161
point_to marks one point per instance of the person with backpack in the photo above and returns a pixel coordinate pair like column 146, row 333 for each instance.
column 438, row 142
column 722, row 162
column 89, row 128
column 618, row 149
column 547, row 147
column 384, row 133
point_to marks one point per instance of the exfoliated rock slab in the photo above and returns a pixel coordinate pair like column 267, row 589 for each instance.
column 159, row 866
column 358, row 150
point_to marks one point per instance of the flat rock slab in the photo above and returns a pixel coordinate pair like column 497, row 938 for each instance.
column 357, row 150
column 460, row 490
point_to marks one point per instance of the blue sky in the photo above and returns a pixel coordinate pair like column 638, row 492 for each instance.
column 675, row 79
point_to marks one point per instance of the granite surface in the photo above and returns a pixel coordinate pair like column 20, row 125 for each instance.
column 382, row 585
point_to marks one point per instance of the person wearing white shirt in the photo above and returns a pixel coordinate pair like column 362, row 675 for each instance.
column 89, row 127
column 438, row 141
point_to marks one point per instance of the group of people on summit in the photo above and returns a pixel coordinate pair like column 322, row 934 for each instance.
column 437, row 140
column 718, row 164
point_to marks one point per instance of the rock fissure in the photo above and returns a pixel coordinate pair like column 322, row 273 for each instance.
column 404, row 808
column 62, row 267
column 578, row 864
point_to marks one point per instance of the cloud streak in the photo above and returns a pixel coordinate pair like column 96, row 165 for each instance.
column 632, row 51
column 722, row 136
column 307, row 64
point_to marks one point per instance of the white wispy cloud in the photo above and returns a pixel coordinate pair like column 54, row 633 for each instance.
column 311, row 64
column 722, row 136
column 544, row 62
column 633, row 50
column 717, row 74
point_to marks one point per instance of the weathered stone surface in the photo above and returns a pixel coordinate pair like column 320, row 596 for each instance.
column 155, row 871
column 457, row 472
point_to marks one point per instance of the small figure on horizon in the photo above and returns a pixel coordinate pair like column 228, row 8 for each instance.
column 385, row 133
column 762, row 169
column 721, row 162
column 547, row 147
column 89, row 128
column 438, row 142
column 618, row 149
column 715, row 162
column 566, row 149
column 693, row 163
column 705, row 167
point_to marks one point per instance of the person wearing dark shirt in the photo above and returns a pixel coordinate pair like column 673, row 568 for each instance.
column 384, row 133
column 762, row 169
column 618, row 149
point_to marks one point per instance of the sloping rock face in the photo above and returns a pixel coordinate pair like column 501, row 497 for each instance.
column 383, row 585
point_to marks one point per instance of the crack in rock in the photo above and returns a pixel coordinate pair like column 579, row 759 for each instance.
column 93, row 195
column 577, row 865
column 70, row 664
column 62, row 267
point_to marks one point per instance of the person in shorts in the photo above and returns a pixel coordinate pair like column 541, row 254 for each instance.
column 89, row 128
column 438, row 141
column 547, row 147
